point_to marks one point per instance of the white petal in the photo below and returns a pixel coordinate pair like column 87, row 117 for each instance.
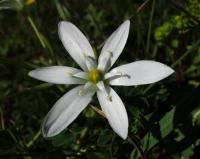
column 105, row 63
column 100, row 85
column 90, row 63
column 115, row 112
column 56, row 75
column 141, row 72
column 65, row 110
column 88, row 87
column 82, row 75
column 75, row 43
column 116, row 42
column 112, row 74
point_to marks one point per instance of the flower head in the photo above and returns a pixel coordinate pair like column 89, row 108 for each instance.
column 95, row 77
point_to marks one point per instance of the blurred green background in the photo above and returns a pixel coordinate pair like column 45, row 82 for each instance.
column 164, row 117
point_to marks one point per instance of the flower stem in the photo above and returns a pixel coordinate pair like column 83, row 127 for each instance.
column 98, row 111
column 35, row 137
column 150, row 28
column 142, row 6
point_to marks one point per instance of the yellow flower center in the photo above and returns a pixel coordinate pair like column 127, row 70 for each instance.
column 95, row 75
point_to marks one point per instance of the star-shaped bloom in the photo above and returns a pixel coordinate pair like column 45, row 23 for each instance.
column 96, row 76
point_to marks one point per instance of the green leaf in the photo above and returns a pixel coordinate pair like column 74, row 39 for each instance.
column 38, row 34
column 166, row 127
column 166, row 123
column 149, row 141
column 63, row 140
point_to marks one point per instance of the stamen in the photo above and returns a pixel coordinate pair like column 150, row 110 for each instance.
column 90, row 62
column 69, row 74
column 119, row 76
column 80, row 75
column 105, row 63
column 102, row 87
column 115, row 75
column 127, row 75
column 81, row 92
column 86, row 88
column 95, row 75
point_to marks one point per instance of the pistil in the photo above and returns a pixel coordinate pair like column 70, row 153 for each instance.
column 95, row 75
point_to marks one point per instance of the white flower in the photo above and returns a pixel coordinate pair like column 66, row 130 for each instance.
column 95, row 77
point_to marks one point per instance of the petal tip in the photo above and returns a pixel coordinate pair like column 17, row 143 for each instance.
column 31, row 73
column 124, row 133
column 44, row 134
column 127, row 23
column 46, row 130
column 124, row 136
column 62, row 22
column 169, row 71
column 47, row 135
column 60, row 27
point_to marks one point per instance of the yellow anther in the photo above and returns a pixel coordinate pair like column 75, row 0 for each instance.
column 95, row 75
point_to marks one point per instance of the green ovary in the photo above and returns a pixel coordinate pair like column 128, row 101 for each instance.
column 95, row 75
